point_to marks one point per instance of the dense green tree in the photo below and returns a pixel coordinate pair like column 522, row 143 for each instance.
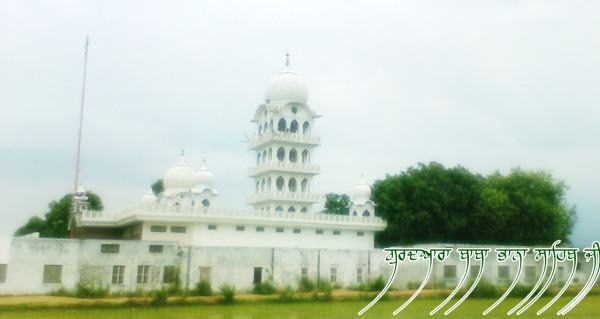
column 431, row 203
column 337, row 204
column 56, row 221
column 158, row 187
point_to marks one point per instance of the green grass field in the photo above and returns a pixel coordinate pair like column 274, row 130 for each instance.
column 471, row 308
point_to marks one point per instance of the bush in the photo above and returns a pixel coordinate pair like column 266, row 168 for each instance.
column 203, row 288
column 326, row 288
column 486, row 289
column 85, row 291
column 306, row 285
column 264, row 288
column 159, row 298
column 228, row 293
column 521, row 290
column 376, row 285
column 287, row 294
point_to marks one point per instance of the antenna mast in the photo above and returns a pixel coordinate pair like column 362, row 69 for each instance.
column 77, row 169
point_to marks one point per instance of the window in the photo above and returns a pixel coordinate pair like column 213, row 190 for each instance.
column 359, row 233
column 178, row 229
column 281, row 154
column 293, row 156
column 336, row 232
column 142, row 274
column 366, row 213
column 306, row 128
column 450, row 272
column 296, row 230
column 52, row 274
column 354, row 213
column 240, row 228
column 279, row 229
column 333, row 274
column 109, row 248
column 205, row 203
column 292, row 185
column 304, row 273
column 294, row 110
column 212, row 227
column 156, row 248
column 279, row 183
column 294, row 127
column 158, row 229
column 118, row 274
column 3, row 273
column 260, row 229
column 305, row 157
column 281, row 126
column 304, row 185
column 291, row 209
column 303, row 210
column 257, row 275
column 530, row 273
column 205, row 274
column 169, row 274
column 503, row 272
column 319, row 232
column 359, row 274
column 279, row 209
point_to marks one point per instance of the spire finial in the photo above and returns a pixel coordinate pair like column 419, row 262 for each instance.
column 182, row 152
column 287, row 59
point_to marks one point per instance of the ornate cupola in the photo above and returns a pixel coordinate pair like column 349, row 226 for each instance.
column 361, row 204
column 284, row 143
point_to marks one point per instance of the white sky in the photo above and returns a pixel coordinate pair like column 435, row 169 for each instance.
column 512, row 83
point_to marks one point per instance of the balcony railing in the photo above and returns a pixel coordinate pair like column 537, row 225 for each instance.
column 283, row 196
column 284, row 167
column 298, row 138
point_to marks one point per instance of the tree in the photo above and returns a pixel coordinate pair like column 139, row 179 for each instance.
column 158, row 187
column 337, row 204
column 431, row 203
column 56, row 221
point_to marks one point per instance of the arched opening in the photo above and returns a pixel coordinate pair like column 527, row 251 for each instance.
column 258, row 158
column 354, row 213
column 265, row 127
column 279, row 183
column 304, row 185
column 271, row 126
column 205, row 203
column 291, row 209
column 306, row 128
column 366, row 213
column 269, row 184
column 264, row 156
column 293, row 156
column 262, row 185
column 279, row 209
column 294, row 127
column 305, row 159
column 304, row 210
column 292, row 185
column 257, row 185
column 270, row 154
column 260, row 129
column 281, row 126
column 281, row 154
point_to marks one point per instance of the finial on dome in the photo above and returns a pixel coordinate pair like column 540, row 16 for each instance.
column 204, row 167
column 287, row 59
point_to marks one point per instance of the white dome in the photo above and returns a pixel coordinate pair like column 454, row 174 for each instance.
column 180, row 176
column 204, row 177
column 362, row 191
column 287, row 86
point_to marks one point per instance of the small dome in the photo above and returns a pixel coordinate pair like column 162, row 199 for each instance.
column 204, row 177
column 149, row 198
column 361, row 191
column 180, row 176
column 286, row 86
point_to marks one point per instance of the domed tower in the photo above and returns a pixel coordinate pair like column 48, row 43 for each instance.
column 361, row 204
column 284, row 144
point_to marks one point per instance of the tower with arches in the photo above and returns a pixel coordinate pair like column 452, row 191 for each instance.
column 284, row 143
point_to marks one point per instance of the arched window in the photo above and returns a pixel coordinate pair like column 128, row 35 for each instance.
column 294, row 127
column 269, row 184
column 293, row 156
column 304, row 185
column 366, row 213
column 303, row 210
column 265, row 128
column 279, row 209
column 354, row 213
column 262, row 185
column 270, row 154
column 291, row 209
column 258, row 158
column 292, row 185
column 257, row 184
column 305, row 159
column 281, row 154
column 306, row 128
column 264, row 156
column 205, row 203
column 279, row 183
column 282, row 125
column 260, row 129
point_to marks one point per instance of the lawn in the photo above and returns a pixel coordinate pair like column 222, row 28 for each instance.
column 420, row 308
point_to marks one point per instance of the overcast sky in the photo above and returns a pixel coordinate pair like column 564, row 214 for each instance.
column 491, row 87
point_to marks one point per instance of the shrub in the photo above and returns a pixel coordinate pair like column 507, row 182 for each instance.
column 521, row 290
column 86, row 291
column 485, row 289
column 228, row 293
column 306, row 285
column 203, row 288
column 159, row 298
column 264, row 288
column 327, row 290
column 286, row 294
column 376, row 285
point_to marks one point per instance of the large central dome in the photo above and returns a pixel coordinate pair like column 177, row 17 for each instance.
column 286, row 86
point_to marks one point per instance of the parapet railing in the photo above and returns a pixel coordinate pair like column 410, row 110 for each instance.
column 284, row 166
column 257, row 140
